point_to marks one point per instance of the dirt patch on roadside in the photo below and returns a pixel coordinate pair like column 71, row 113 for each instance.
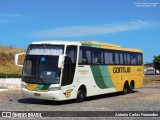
column 151, row 97
column 151, row 80
column 4, row 94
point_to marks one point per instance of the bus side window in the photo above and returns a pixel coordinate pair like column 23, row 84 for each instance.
column 127, row 59
column 133, row 59
column 117, row 58
column 80, row 57
column 88, row 56
column 97, row 56
column 139, row 59
column 72, row 53
column 121, row 59
column 108, row 57
column 85, row 56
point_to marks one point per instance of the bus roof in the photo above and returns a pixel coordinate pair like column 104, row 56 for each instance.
column 108, row 46
column 57, row 42
column 89, row 44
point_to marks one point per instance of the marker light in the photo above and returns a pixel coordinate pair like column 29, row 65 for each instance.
column 54, row 88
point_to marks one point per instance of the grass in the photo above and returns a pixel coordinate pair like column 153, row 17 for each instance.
column 151, row 80
column 7, row 60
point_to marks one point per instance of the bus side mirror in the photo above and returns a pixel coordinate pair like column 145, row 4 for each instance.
column 61, row 61
column 16, row 59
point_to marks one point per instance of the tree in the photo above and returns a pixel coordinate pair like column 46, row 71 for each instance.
column 156, row 62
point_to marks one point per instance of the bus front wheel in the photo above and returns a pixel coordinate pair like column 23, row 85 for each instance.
column 81, row 94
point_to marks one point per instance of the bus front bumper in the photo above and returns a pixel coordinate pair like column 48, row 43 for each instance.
column 47, row 95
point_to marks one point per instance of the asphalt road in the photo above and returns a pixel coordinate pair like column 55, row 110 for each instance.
column 146, row 98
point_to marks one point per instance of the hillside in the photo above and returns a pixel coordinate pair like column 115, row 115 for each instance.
column 7, row 60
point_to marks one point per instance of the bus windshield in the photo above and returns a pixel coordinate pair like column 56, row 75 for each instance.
column 40, row 69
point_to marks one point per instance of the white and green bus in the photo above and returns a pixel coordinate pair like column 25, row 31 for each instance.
column 63, row 70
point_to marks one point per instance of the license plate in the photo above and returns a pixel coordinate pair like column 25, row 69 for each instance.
column 37, row 94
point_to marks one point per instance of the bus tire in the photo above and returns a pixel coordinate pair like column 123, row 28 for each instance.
column 125, row 88
column 81, row 94
column 131, row 87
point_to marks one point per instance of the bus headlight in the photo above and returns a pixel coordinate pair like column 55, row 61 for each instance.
column 54, row 88
column 23, row 86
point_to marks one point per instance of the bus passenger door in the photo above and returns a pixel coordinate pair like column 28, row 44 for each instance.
column 69, row 70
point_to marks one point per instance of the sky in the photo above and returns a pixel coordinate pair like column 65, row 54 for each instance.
column 128, row 23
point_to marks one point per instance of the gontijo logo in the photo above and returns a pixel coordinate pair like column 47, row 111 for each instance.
column 121, row 70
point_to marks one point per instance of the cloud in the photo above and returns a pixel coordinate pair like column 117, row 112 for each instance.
column 7, row 18
column 77, row 31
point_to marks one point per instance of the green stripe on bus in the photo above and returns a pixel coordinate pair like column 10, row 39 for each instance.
column 106, row 76
column 98, row 76
column 102, row 76
column 42, row 87
column 90, row 45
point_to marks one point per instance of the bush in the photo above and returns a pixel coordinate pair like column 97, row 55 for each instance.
column 156, row 62
column 2, row 75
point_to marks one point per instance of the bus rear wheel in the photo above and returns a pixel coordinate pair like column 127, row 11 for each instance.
column 131, row 87
column 125, row 88
column 81, row 94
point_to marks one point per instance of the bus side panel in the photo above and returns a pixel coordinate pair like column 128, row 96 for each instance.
column 102, row 79
column 121, row 74
column 85, row 77
column 94, row 81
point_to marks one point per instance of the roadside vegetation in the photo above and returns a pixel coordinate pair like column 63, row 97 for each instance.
column 151, row 80
column 7, row 66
